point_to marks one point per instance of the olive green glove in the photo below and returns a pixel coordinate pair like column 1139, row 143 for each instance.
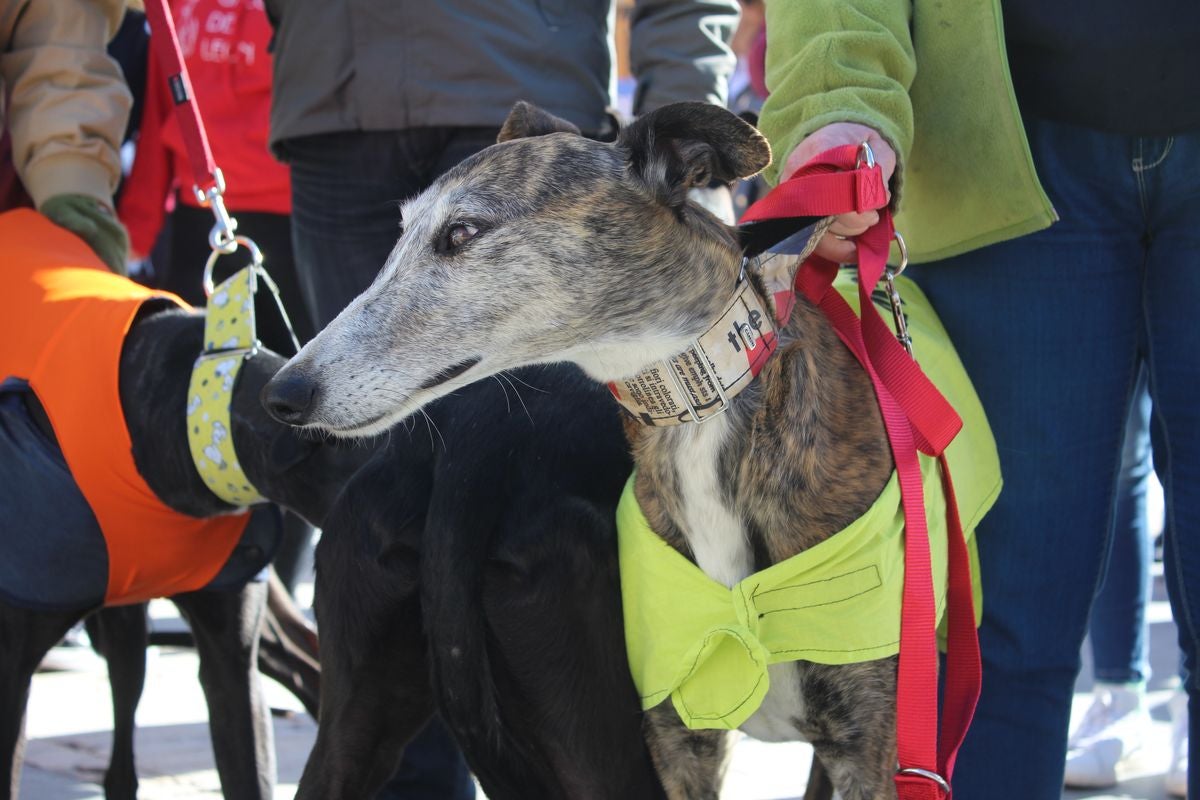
column 92, row 221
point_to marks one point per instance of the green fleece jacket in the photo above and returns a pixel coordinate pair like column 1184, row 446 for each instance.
column 932, row 77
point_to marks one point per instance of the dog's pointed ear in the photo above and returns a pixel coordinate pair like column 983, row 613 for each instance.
column 526, row 119
column 684, row 145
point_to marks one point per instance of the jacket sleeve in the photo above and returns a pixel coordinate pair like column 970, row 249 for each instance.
column 69, row 102
column 679, row 50
column 838, row 61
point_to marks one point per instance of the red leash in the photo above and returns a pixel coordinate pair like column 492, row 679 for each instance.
column 209, row 182
column 917, row 418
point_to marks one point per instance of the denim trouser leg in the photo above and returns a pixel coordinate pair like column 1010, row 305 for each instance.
column 1171, row 186
column 347, row 189
column 1118, row 623
column 1053, row 328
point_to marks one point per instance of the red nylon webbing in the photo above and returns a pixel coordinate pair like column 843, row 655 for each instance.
column 166, row 45
column 917, row 417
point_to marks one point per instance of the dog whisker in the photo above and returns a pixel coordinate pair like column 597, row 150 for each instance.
column 433, row 426
column 513, row 377
column 507, row 402
column 508, row 378
column 579, row 338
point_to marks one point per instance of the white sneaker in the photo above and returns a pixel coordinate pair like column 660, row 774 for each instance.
column 1177, row 773
column 1114, row 728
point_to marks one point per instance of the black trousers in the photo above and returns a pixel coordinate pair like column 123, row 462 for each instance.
column 346, row 194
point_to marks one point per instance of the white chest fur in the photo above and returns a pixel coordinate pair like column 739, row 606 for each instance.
column 715, row 534
column 721, row 548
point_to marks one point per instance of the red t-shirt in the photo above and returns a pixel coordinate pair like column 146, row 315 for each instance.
column 224, row 44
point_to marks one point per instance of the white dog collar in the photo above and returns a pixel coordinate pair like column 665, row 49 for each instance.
column 698, row 384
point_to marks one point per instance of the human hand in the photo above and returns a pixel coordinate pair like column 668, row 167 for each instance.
column 92, row 221
column 837, row 244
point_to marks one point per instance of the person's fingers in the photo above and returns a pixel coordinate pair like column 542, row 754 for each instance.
column 840, row 251
column 840, row 133
column 854, row 224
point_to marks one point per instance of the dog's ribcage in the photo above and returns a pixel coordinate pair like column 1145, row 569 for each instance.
column 721, row 547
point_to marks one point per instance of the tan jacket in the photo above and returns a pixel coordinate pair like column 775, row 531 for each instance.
column 69, row 101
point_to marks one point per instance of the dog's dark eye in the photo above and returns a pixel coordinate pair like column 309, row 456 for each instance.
column 455, row 236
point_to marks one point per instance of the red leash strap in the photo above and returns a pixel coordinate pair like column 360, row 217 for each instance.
column 917, row 418
column 209, row 182
column 166, row 45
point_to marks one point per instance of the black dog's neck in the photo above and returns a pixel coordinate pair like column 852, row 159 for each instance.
column 156, row 362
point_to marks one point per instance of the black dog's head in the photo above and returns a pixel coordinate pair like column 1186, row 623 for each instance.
column 299, row 470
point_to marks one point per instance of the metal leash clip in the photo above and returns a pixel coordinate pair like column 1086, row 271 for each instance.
column 224, row 241
column 889, row 275
column 223, row 237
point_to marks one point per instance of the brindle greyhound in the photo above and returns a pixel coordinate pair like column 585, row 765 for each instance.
column 298, row 471
column 549, row 247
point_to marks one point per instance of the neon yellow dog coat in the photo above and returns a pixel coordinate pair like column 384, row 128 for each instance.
column 708, row 647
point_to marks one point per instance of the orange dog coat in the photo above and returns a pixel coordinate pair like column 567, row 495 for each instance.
column 63, row 324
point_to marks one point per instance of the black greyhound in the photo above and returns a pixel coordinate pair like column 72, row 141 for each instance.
column 471, row 568
column 301, row 473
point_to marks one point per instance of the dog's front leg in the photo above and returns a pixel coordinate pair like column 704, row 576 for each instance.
column 850, row 718
column 556, row 667
column 375, row 692
column 226, row 628
column 25, row 636
column 373, row 702
column 120, row 634
column 691, row 764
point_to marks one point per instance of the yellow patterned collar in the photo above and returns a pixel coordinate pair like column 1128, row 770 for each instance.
column 230, row 339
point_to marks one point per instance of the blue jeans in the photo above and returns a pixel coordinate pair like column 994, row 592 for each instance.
column 1053, row 329
column 346, row 194
column 1118, row 625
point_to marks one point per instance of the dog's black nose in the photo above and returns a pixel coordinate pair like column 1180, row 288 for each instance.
column 288, row 398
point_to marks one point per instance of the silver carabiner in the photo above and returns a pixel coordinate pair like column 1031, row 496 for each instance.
column 223, row 236
column 889, row 275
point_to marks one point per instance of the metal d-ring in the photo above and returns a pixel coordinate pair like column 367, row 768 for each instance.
column 903, row 254
column 927, row 775
column 865, row 156
column 256, row 260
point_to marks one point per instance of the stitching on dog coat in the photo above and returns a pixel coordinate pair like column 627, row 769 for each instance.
column 707, row 647
column 64, row 323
